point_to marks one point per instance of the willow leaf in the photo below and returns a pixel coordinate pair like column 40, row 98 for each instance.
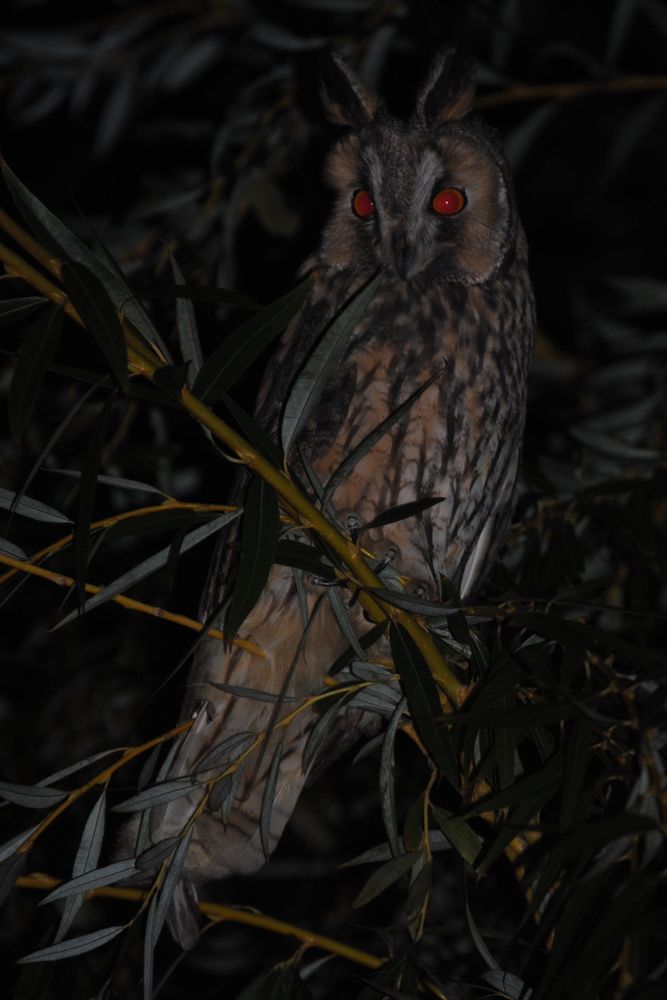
column 259, row 539
column 320, row 365
column 74, row 946
column 151, row 565
column 383, row 877
column 422, row 694
column 235, row 355
column 186, row 326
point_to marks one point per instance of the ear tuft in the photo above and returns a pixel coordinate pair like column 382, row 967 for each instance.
column 449, row 89
column 346, row 101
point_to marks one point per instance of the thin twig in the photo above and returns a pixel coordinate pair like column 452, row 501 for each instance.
column 61, row 580
column 570, row 91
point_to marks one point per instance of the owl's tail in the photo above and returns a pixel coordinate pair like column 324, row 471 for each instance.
column 245, row 750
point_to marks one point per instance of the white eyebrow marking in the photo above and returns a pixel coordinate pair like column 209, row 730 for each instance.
column 429, row 172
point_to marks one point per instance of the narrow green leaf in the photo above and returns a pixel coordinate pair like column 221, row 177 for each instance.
column 322, row 729
column 235, row 355
column 10, row 869
column 171, row 880
column 14, row 310
column 163, row 520
column 402, row 511
column 156, row 795
column 259, row 539
column 381, row 697
column 422, row 694
column 478, row 940
column 33, row 509
column 186, row 326
column 226, row 751
column 8, row 548
column 153, row 856
column 459, row 834
column 10, row 846
column 31, row 796
column 91, row 300
column 87, row 856
column 51, row 442
column 544, row 779
column 353, row 458
column 150, row 565
column 382, row 852
column 64, row 245
column 383, row 877
column 386, row 779
column 268, row 797
column 118, row 482
column 419, row 891
column 367, row 640
column 507, row 985
column 415, row 605
column 74, row 946
column 344, row 622
column 526, row 813
column 79, row 766
column 88, row 880
column 304, row 557
column 254, row 694
column 39, row 345
column 315, row 373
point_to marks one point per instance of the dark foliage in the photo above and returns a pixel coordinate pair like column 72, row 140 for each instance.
column 185, row 140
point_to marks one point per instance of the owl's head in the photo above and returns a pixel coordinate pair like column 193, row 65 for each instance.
column 428, row 199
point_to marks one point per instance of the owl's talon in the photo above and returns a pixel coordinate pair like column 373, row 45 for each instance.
column 354, row 526
column 320, row 581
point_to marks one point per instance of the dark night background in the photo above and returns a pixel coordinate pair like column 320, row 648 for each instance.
column 195, row 128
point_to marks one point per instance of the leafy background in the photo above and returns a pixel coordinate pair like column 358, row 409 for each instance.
column 195, row 128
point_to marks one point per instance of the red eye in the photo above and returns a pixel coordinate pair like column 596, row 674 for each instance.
column 449, row 201
column 363, row 205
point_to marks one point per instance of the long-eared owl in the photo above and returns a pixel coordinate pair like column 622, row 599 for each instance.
column 427, row 205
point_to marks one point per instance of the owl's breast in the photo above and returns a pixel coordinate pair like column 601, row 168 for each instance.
column 428, row 402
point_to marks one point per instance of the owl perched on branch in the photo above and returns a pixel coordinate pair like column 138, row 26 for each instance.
column 427, row 207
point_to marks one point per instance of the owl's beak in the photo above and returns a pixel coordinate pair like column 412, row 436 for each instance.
column 401, row 255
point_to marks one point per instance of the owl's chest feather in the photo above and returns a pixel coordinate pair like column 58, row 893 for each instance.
column 465, row 340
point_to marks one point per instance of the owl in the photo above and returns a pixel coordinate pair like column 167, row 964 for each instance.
column 427, row 205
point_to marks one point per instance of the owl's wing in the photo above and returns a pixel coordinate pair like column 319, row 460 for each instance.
column 493, row 531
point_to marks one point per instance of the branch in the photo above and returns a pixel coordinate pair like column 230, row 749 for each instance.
column 570, row 91
column 294, row 502
column 61, row 580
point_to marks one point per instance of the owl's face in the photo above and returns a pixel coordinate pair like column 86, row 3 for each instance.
column 427, row 200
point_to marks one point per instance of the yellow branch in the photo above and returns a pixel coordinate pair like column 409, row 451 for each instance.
column 61, row 580
column 219, row 913
column 570, row 91
column 293, row 500
column 100, row 779
column 113, row 519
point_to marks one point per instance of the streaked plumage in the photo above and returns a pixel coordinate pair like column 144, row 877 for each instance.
column 454, row 296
